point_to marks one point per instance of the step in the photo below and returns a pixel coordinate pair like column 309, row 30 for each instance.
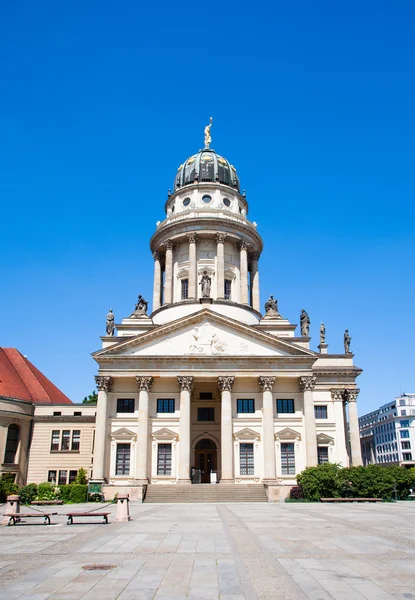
column 175, row 493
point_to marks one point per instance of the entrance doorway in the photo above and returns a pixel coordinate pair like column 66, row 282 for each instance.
column 206, row 459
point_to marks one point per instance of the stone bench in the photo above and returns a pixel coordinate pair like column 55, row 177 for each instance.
column 71, row 516
column 350, row 499
column 16, row 517
column 47, row 502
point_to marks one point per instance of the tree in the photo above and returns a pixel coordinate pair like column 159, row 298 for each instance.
column 91, row 399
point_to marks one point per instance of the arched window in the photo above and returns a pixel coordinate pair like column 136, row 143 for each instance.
column 11, row 444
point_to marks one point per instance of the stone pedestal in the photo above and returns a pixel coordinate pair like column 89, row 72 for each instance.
column 323, row 348
column 123, row 509
column 12, row 507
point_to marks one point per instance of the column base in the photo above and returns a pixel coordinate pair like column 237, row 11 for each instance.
column 184, row 481
column 227, row 481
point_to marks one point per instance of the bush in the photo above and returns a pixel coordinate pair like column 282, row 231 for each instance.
column 81, row 477
column 27, row 493
column 48, row 491
column 78, row 492
column 296, row 493
column 65, row 492
column 374, row 481
column 7, row 486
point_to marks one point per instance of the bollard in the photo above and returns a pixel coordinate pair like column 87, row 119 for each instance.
column 123, row 509
column 12, row 507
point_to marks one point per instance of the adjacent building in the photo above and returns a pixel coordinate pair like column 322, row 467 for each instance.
column 387, row 435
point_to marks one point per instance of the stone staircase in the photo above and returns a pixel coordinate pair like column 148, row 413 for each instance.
column 205, row 492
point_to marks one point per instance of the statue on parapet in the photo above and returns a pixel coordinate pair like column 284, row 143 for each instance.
column 322, row 333
column 304, row 323
column 109, row 325
column 140, row 308
column 347, row 341
column 208, row 139
column 271, row 307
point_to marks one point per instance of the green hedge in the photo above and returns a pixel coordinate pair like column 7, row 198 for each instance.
column 7, row 486
column 78, row 492
column 65, row 492
column 27, row 493
column 374, row 481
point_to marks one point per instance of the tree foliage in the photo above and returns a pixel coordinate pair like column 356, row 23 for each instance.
column 91, row 399
column 374, row 481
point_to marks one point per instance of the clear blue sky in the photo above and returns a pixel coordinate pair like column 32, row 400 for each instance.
column 313, row 102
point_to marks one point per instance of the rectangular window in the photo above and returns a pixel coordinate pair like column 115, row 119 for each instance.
column 322, row 454
column 404, row 433
column 205, row 396
column 66, row 438
column 245, row 405
column 77, row 414
column 403, row 413
column 52, row 476
column 76, row 439
column 63, row 475
column 402, row 403
column 54, row 444
column 164, row 459
column 72, row 476
column 407, row 456
column 406, row 445
column 206, row 414
column 285, row 406
column 405, row 423
column 246, row 459
column 122, row 463
column 287, row 459
column 185, row 289
column 57, row 413
column 320, row 412
column 165, row 405
column 125, row 405
column 227, row 290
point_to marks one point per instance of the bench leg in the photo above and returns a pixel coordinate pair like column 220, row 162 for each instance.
column 12, row 521
column 47, row 521
column 69, row 521
column 105, row 520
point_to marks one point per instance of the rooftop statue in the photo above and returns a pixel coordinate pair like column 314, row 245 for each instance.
column 206, row 283
column 271, row 307
column 140, row 308
column 109, row 326
column 208, row 139
column 322, row 333
column 347, row 340
column 304, row 323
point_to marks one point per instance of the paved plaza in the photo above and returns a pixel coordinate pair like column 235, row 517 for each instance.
column 217, row 551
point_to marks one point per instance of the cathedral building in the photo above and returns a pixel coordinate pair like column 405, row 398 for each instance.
column 206, row 387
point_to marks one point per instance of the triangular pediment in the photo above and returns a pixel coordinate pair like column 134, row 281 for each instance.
column 123, row 434
column 324, row 439
column 204, row 334
column 165, row 434
column 247, row 434
column 288, row 434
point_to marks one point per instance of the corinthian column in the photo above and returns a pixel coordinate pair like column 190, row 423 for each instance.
column 144, row 385
column 192, row 265
column 220, row 257
column 225, row 385
column 157, row 282
column 268, row 441
column 168, row 276
column 104, row 385
column 356, row 452
column 255, row 282
column 243, row 262
column 341, row 427
column 307, row 385
column 186, row 386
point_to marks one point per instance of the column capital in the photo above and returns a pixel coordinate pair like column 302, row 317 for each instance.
column 243, row 245
column 307, row 384
column 186, row 383
column 254, row 256
column 192, row 237
column 225, row 383
column 169, row 244
column 337, row 394
column 220, row 237
column 144, row 383
column 156, row 256
column 104, row 384
column 350, row 395
column 266, row 383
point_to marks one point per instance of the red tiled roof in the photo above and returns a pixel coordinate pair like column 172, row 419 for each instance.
column 20, row 379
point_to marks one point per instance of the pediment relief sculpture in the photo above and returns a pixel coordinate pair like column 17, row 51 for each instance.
column 247, row 434
column 165, row 434
column 206, row 341
column 123, row 434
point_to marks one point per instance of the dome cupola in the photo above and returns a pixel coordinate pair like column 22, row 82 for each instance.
column 206, row 166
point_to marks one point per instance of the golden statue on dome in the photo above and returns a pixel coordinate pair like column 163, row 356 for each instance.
column 208, row 139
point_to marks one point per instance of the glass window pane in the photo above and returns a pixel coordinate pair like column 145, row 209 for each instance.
column 76, row 439
column 66, row 436
column 206, row 414
column 285, row 405
column 125, row 405
column 122, row 464
column 165, row 405
column 287, row 459
column 245, row 405
column 62, row 477
column 164, row 459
